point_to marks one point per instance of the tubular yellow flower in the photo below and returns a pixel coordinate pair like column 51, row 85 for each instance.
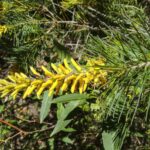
column 49, row 82
column 47, row 72
column 64, row 70
column 1, row 88
column 9, row 86
column 14, row 94
column 11, row 78
column 59, row 77
column 66, row 65
column 73, row 87
column 19, row 87
column 86, row 80
column 34, row 71
column 50, row 93
column 54, row 85
column 40, row 91
column 17, row 75
column 36, row 82
column 55, row 68
column 43, row 86
column 64, row 86
column 71, row 77
column 5, row 92
column 31, row 90
column 28, row 91
column 76, row 65
column 23, row 75
column 3, row 82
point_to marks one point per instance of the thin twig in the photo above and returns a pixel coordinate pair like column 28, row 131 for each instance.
column 26, row 133
column 11, row 125
column 11, row 137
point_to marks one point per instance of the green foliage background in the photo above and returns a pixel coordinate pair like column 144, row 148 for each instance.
column 41, row 32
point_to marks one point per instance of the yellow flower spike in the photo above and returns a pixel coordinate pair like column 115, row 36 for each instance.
column 34, row 71
column 47, row 72
column 73, row 87
column 63, row 69
column 76, row 65
column 64, row 77
column 66, row 65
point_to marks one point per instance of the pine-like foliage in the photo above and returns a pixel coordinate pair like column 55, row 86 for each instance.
column 127, row 97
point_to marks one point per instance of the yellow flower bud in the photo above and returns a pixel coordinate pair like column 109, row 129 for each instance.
column 54, row 85
column 63, row 69
column 73, row 87
column 55, row 68
column 40, row 91
column 47, row 72
column 64, row 86
column 3, row 82
column 76, row 65
column 11, row 78
column 21, row 86
column 66, row 65
column 34, row 71
column 36, row 82
column 5, row 92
